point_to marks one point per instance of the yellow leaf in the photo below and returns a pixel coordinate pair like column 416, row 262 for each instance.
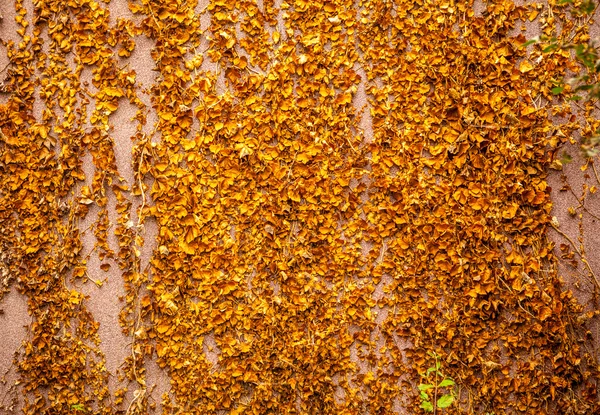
column 510, row 211
column 526, row 66
column 75, row 297
column 303, row 158
column 245, row 151
column 162, row 328
column 113, row 92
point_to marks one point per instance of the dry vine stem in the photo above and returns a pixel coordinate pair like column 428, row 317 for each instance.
column 581, row 256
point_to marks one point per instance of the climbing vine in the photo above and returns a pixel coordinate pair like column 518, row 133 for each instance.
column 341, row 190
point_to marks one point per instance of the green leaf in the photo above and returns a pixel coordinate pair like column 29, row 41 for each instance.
column 591, row 152
column 78, row 407
column 445, row 401
column 584, row 87
column 557, row 90
column 427, row 406
column 446, row 382
column 575, row 98
column 425, row 387
column 550, row 48
column 565, row 158
column 587, row 7
column 424, row 396
column 530, row 42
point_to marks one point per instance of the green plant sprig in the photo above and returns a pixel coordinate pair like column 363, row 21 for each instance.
column 441, row 386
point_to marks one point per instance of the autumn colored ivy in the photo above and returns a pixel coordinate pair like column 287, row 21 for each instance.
column 346, row 193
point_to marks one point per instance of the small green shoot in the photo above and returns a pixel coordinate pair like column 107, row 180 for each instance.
column 530, row 42
column 437, row 391
column 565, row 158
